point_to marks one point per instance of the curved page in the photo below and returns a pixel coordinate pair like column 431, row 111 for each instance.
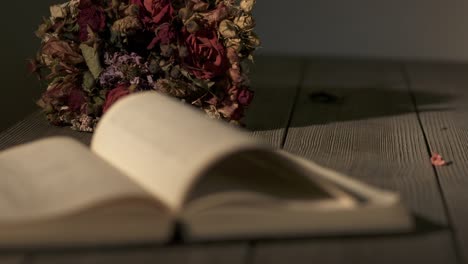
column 163, row 144
column 264, row 194
column 259, row 178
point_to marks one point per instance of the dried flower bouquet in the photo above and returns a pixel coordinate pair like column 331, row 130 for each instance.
column 94, row 52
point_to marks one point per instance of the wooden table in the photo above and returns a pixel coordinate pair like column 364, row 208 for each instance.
column 380, row 124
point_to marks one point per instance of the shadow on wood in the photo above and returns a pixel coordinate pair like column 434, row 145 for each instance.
column 323, row 105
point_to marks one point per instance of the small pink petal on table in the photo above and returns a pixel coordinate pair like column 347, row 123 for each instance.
column 437, row 160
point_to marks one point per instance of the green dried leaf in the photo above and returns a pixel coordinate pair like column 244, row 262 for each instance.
column 203, row 84
column 98, row 100
column 91, row 56
column 88, row 81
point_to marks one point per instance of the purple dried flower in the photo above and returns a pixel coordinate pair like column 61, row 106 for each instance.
column 125, row 68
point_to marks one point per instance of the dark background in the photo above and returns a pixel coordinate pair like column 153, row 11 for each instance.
column 19, row 90
column 396, row 29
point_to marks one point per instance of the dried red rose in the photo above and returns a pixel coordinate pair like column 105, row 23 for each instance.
column 164, row 35
column 245, row 97
column 160, row 10
column 76, row 99
column 206, row 57
column 91, row 15
column 114, row 95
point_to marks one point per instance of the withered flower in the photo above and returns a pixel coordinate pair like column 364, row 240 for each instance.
column 235, row 44
column 58, row 11
column 165, row 34
column 197, row 5
column 114, row 95
column 192, row 26
column 228, row 29
column 245, row 22
column 91, row 17
column 220, row 13
column 185, row 14
column 62, row 50
column 160, row 10
column 254, row 40
column 247, row 5
column 206, row 55
column 128, row 25
column 95, row 52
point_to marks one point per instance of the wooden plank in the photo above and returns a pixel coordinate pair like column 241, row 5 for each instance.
column 372, row 134
column 381, row 250
column 228, row 254
column 441, row 93
column 34, row 127
column 12, row 259
column 369, row 130
column 275, row 81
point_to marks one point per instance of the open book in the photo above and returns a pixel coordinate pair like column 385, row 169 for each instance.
column 155, row 164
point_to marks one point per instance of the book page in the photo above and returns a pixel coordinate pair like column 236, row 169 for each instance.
column 58, row 176
column 260, row 194
column 163, row 144
column 257, row 178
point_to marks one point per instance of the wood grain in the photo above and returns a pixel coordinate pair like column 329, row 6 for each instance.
column 12, row 259
column 372, row 134
column 381, row 250
column 275, row 81
column 445, row 123
column 226, row 254
column 34, row 127
column 358, row 118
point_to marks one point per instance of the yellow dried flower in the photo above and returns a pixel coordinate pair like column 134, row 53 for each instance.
column 227, row 29
column 42, row 30
column 185, row 14
column 212, row 112
column 132, row 10
column 58, row 11
column 254, row 40
column 245, row 22
column 247, row 5
column 235, row 44
column 127, row 25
